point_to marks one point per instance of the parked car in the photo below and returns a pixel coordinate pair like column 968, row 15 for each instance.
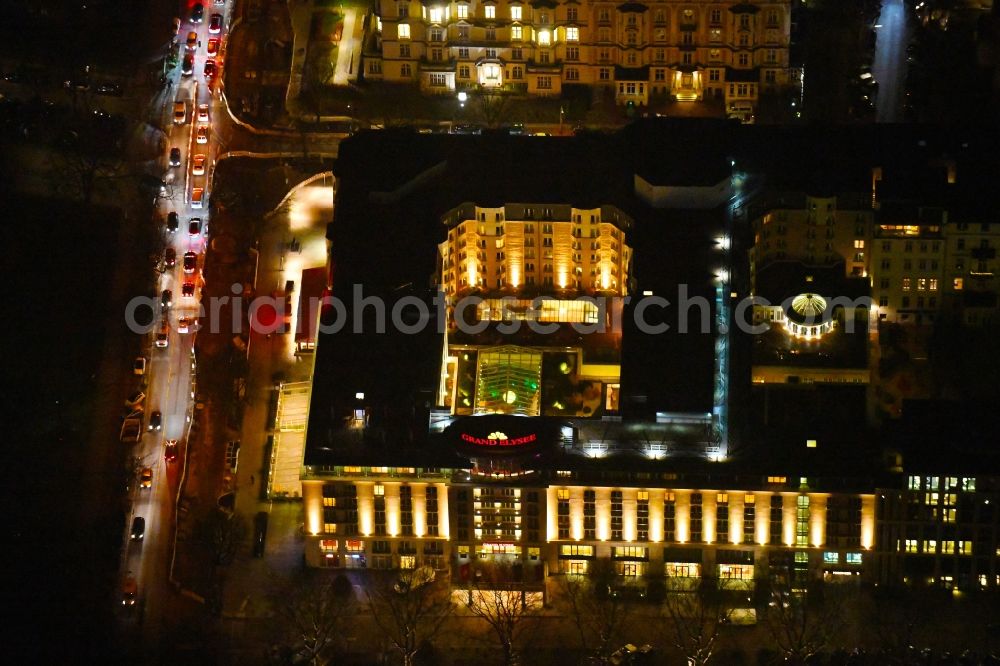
column 198, row 165
column 172, row 222
column 138, row 528
column 201, row 136
column 139, row 366
column 175, row 157
column 135, row 399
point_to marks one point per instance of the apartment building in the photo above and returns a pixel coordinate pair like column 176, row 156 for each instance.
column 971, row 266
column 908, row 264
column 688, row 51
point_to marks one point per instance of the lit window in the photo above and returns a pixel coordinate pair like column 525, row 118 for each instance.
column 859, row 245
column 515, row 32
column 515, row 13
column 969, row 485
column 577, row 550
column 572, row 34
column 921, row 284
column 436, row 14
column 564, row 472
column 562, row 494
column 776, row 479
column 463, row 11
column 831, row 557
column 854, row 558
column 932, row 284
column 379, row 491
column 930, row 546
column 965, row 547
column 906, row 284
column 352, row 470
column 957, row 284
column 404, row 31
column 544, row 38
column 911, row 545
column 491, row 11
column 914, row 483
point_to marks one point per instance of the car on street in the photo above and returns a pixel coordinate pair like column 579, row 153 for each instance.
column 190, row 262
column 215, row 24
column 194, row 226
column 187, row 290
column 130, row 590
column 213, row 47
column 170, row 450
column 166, row 298
column 197, row 197
column 187, row 67
column 155, row 421
column 175, row 157
column 198, row 165
column 210, row 69
column 201, row 136
column 112, row 89
column 197, row 12
column 192, row 41
column 180, row 112
column 163, row 336
column 146, row 478
column 172, row 222
column 138, row 530
column 203, row 113
column 169, row 257
column 139, row 366
column 183, row 325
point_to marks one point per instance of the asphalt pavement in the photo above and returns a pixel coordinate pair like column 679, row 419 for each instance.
column 889, row 66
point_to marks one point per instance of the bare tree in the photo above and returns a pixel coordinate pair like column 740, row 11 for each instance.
column 803, row 624
column 314, row 609
column 493, row 107
column 224, row 534
column 497, row 596
column 694, row 618
column 598, row 612
column 408, row 615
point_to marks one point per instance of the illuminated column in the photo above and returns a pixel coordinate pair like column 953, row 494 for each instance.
column 867, row 521
column 419, row 495
column 551, row 514
column 762, row 517
column 576, row 513
column 312, row 500
column 628, row 513
column 444, row 523
column 682, row 515
column 656, row 516
column 735, row 517
column 366, row 508
column 603, row 510
column 708, row 506
column 817, row 520
column 788, row 505
column 392, row 509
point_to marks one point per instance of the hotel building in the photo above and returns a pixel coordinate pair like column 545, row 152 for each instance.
column 688, row 51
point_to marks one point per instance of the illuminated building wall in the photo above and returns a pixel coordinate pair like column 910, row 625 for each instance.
column 498, row 520
column 554, row 249
column 688, row 50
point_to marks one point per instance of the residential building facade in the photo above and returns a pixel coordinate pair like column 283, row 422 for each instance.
column 727, row 50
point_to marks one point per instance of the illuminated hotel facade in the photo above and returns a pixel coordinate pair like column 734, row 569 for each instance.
column 530, row 462
column 687, row 51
